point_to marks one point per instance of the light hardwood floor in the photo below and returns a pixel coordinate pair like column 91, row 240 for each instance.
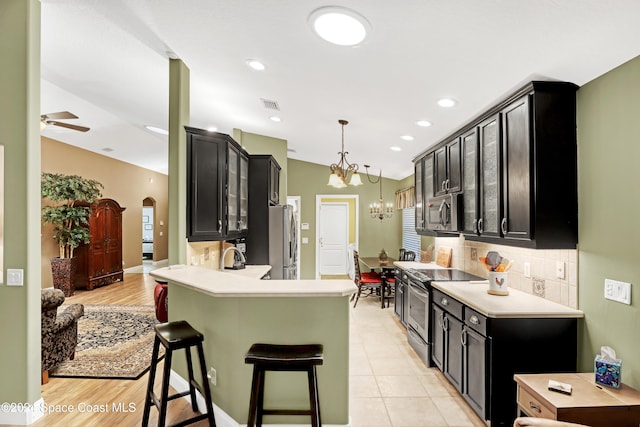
column 102, row 402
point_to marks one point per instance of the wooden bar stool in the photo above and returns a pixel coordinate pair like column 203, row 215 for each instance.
column 174, row 336
column 271, row 357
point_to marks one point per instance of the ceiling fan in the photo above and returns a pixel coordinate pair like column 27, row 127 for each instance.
column 52, row 119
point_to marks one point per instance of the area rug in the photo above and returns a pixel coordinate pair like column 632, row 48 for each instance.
column 114, row 342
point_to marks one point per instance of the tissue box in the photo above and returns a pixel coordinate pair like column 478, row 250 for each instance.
column 608, row 373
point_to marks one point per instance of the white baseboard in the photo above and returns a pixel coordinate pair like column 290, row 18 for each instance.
column 21, row 414
column 222, row 418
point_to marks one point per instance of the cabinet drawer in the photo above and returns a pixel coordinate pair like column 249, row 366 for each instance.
column 449, row 304
column 533, row 407
column 475, row 320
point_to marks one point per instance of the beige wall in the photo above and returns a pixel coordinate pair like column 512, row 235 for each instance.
column 129, row 185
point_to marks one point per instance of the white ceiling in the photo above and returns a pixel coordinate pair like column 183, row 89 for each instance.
column 106, row 61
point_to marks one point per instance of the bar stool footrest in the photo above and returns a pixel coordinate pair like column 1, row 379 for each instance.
column 190, row 421
column 287, row 412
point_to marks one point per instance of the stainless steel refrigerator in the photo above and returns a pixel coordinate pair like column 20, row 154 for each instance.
column 282, row 243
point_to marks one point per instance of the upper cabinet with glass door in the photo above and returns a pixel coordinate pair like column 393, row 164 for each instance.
column 518, row 163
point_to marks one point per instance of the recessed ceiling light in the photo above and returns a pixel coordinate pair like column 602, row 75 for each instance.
column 255, row 64
column 339, row 25
column 157, row 130
column 395, row 148
column 423, row 123
column 446, row 102
column 407, row 137
column 275, row 119
column 212, row 129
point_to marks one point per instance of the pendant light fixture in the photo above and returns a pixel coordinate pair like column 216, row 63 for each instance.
column 379, row 209
column 343, row 171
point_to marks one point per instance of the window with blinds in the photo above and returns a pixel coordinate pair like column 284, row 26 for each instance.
column 410, row 239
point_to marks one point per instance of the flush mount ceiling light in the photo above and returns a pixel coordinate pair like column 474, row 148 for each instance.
column 423, row 123
column 446, row 102
column 339, row 25
column 255, row 64
column 157, row 130
column 212, row 129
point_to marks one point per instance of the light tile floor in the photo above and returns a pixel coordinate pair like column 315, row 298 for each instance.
column 389, row 385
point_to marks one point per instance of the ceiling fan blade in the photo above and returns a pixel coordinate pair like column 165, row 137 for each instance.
column 67, row 125
column 60, row 115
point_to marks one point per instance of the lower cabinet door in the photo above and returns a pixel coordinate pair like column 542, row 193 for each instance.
column 475, row 378
column 437, row 338
column 453, row 360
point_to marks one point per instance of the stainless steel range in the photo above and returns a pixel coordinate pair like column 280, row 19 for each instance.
column 419, row 308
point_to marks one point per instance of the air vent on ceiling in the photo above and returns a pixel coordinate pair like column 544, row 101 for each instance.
column 270, row 105
column 107, row 149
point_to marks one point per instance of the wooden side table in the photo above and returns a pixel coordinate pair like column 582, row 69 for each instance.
column 589, row 403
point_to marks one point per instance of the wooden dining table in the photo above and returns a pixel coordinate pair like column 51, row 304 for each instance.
column 385, row 267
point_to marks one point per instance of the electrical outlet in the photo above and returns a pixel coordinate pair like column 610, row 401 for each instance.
column 617, row 291
column 14, row 276
column 560, row 269
column 206, row 254
column 538, row 287
column 527, row 269
column 213, row 376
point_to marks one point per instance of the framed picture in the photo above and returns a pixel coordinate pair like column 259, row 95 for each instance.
column 145, row 218
column 148, row 226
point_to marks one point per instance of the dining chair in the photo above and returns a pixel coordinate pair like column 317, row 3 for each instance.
column 407, row 255
column 368, row 280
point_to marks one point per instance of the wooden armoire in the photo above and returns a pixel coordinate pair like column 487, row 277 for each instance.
column 100, row 261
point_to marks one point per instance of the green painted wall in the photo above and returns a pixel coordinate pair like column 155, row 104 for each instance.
column 179, row 113
column 310, row 179
column 231, row 325
column 260, row 144
column 609, row 208
column 20, row 136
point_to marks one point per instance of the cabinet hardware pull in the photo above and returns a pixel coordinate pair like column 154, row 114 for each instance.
column 443, row 186
column 441, row 320
column 480, row 221
column 503, row 225
column 475, row 226
column 447, row 186
column 445, row 324
column 463, row 337
column 535, row 407
column 444, row 301
column 474, row 319
column 219, row 226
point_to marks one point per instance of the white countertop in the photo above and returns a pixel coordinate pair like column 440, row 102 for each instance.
column 247, row 283
column 517, row 304
column 405, row 265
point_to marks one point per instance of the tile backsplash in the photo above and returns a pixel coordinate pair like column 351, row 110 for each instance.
column 543, row 266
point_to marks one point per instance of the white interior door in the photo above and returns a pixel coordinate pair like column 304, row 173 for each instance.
column 333, row 238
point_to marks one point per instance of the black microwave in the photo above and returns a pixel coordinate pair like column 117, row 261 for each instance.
column 444, row 213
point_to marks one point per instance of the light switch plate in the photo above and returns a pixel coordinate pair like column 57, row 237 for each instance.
column 14, row 276
column 615, row 290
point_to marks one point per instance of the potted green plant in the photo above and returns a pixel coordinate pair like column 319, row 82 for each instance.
column 69, row 197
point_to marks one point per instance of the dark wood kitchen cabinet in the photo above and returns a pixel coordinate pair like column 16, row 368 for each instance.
column 264, row 182
column 99, row 262
column 217, row 186
column 523, row 191
column 424, row 187
column 447, row 168
column 479, row 355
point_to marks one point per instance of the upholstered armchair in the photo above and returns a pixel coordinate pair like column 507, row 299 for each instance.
column 59, row 330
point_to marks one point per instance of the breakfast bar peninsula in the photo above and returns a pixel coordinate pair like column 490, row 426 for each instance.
column 234, row 309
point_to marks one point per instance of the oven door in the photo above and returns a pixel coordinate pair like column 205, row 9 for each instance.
column 418, row 313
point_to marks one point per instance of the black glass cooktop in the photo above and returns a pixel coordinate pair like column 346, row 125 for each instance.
column 442, row 275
